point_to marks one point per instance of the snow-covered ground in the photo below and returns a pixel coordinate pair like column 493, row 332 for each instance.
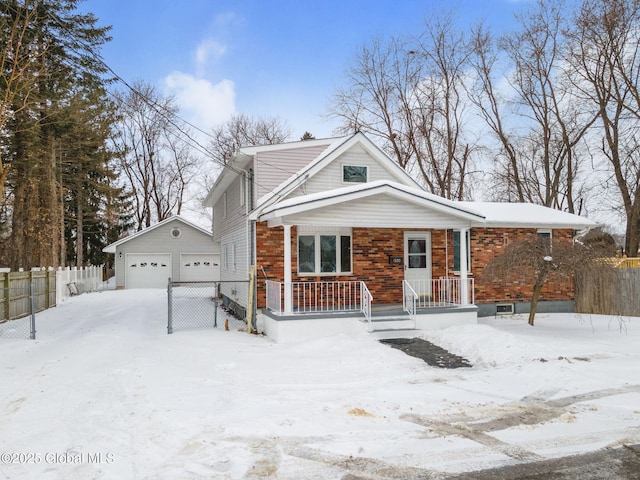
column 105, row 393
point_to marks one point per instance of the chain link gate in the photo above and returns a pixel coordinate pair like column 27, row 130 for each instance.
column 204, row 305
column 18, row 316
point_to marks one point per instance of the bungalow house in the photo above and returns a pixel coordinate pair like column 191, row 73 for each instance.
column 343, row 238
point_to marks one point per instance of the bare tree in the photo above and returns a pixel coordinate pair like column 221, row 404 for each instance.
column 605, row 46
column 539, row 158
column 155, row 162
column 535, row 259
column 243, row 131
column 410, row 96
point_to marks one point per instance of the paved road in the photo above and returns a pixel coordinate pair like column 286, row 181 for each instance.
column 621, row 463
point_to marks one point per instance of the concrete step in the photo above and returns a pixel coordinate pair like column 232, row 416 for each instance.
column 395, row 333
column 391, row 323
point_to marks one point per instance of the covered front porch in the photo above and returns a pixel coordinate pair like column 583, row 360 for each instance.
column 364, row 252
column 419, row 297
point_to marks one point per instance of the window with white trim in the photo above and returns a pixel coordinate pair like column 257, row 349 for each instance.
column 324, row 253
column 242, row 190
column 229, row 257
column 355, row 173
column 224, row 205
column 544, row 235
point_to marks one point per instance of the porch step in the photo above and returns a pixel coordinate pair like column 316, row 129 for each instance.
column 388, row 323
column 395, row 333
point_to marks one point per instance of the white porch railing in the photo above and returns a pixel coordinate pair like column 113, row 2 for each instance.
column 365, row 303
column 274, row 296
column 409, row 300
column 319, row 297
column 354, row 296
column 443, row 292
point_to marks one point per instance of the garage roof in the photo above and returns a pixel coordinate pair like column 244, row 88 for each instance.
column 112, row 248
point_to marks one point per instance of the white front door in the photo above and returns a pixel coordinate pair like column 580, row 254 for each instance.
column 417, row 261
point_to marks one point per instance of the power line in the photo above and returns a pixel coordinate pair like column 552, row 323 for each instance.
column 158, row 108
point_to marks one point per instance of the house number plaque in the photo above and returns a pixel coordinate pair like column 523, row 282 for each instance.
column 395, row 260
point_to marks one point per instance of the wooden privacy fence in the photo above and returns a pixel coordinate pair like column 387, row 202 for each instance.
column 15, row 301
column 611, row 293
column 50, row 287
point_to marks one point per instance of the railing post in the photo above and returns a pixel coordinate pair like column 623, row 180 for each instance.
column 169, row 308
column 32, row 298
column 464, row 268
column 288, row 294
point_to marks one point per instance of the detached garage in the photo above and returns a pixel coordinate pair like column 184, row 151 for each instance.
column 172, row 248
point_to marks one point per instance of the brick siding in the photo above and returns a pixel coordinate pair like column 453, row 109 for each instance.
column 372, row 247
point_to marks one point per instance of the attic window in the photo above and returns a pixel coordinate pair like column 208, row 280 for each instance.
column 175, row 232
column 354, row 174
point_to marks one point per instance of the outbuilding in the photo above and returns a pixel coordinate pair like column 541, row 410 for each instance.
column 173, row 248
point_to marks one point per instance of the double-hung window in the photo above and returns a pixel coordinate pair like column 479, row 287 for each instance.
column 324, row 253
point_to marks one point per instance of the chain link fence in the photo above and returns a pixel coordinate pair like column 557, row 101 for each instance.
column 18, row 306
column 204, row 305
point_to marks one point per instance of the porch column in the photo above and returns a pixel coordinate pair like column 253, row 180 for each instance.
column 464, row 268
column 287, row 269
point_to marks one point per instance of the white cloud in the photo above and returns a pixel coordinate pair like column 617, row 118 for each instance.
column 203, row 103
column 209, row 49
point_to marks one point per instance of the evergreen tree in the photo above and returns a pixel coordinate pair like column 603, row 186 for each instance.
column 37, row 133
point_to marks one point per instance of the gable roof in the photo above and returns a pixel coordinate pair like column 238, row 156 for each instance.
column 243, row 158
column 112, row 247
column 477, row 214
column 329, row 155
column 365, row 190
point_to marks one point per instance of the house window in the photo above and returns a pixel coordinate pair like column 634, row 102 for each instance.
column 544, row 235
column 224, row 205
column 229, row 259
column 242, row 190
column 354, row 174
column 456, row 250
column 324, row 254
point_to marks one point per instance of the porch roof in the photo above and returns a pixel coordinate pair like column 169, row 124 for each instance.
column 374, row 204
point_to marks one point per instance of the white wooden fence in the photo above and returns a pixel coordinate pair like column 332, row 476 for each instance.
column 73, row 281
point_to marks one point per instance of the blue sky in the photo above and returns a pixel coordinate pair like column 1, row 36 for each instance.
column 261, row 57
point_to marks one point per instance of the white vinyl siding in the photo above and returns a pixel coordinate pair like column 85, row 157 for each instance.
column 331, row 176
column 383, row 211
column 273, row 168
column 235, row 217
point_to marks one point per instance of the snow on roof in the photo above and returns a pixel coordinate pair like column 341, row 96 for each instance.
column 498, row 214
column 486, row 214
column 372, row 188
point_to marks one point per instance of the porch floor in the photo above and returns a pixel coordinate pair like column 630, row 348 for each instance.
column 378, row 311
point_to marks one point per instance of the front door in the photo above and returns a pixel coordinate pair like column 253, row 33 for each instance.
column 417, row 261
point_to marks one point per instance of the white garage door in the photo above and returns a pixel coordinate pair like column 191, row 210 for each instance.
column 199, row 267
column 148, row 270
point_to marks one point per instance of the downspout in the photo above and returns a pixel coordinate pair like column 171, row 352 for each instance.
column 252, row 244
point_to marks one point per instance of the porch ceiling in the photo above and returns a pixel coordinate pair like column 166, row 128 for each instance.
column 379, row 206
